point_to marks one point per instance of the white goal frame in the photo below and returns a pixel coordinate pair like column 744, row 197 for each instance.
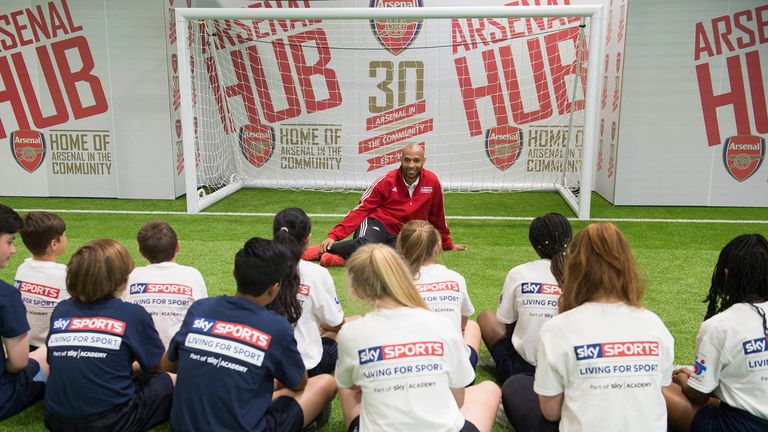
column 581, row 205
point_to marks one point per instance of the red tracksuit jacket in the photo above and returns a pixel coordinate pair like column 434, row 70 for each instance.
column 387, row 200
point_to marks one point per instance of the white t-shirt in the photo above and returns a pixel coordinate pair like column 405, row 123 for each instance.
column 445, row 292
column 405, row 360
column 530, row 297
column 732, row 359
column 319, row 304
column 166, row 290
column 43, row 284
column 611, row 361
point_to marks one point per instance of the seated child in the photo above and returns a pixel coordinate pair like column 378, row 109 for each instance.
column 164, row 288
column 18, row 367
column 231, row 352
column 310, row 287
column 95, row 338
column 726, row 391
column 442, row 289
column 528, row 300
column 40, row 279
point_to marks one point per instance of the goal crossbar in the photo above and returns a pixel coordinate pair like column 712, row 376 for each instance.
column 596, row 35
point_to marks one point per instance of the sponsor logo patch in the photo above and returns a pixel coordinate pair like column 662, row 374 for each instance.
column 438, row 286
column 503, row 145
column 28, row 149
column 743, row 155
column 257, row 143
column 233, row 331
column 108, row 325
column 396, row 35
column 303, row 290
column 754, row 346
column 699, row 367
column 616, row 349
column 539, row 288
column 406, row 350
column 37, row 289
column 160, row 288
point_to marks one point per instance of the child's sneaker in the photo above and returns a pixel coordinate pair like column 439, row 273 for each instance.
column 332, row 260
column 312, row 253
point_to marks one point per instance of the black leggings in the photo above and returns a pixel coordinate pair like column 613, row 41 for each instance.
column 521, row 404
column 370, row 231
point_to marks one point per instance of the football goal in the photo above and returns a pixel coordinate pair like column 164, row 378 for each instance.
column 501, row 98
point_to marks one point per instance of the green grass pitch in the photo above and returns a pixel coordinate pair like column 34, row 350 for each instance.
column 676, row 256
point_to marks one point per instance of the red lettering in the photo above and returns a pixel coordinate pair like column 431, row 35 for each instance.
column 20, row 27
column 762, row 23
column 10, row 42
column 60, row 114
column 519, row 114
column 740, row 41
column 757, row 90
column 723, row 34
column 320, row 68
column 559, row 71
column 710, row 101
column 213, row 79
column 242, row 87
column 289, row 89
column 477, row 32
column 11, row 94
column 458, row 39
column 702, row 44
column 70, row 79
column 38, row 23
column 470, row 94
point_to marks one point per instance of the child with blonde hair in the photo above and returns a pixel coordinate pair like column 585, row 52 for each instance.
column 401, row 366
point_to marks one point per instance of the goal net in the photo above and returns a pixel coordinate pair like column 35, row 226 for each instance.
column 501, row 98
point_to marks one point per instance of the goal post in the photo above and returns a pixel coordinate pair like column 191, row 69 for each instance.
column 323, row 98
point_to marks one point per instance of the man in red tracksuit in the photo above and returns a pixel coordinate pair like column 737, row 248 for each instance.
column 407, row 193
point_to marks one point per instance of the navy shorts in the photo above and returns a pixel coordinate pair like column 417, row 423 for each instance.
column 468, row 426
column 327, row 363
column 726, row 418
column 473, row 357
column 508, row 360
column 150, row 407
column 284, row 414
column 23, row 389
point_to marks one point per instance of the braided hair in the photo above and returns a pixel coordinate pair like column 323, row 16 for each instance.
column 740, row 276
column 549, row 235
column 291, row 229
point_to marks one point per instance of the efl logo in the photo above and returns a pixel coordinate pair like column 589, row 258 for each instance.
column 539, row 288
column 503, row 145
column 698, row 367
column 390, row 352
column 743, row 155
column 157, row 288
column 28, row 148
column 257, row 143
column 396, row 35
column 234, row 331
column 438, row 286
column 616, row 349
column 41, row 290
column 755, row 346
column 108, row 325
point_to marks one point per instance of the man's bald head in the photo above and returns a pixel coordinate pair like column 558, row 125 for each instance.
column 411, row 162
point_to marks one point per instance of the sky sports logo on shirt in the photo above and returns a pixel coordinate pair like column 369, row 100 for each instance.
column 108, row 325
column 160, row 288
column 37, row 289
column 438, row 286
column 616, row 349
column 755, row 346
column 400, row 351
column 235, row 331
column 540, row 288
column 303, row 290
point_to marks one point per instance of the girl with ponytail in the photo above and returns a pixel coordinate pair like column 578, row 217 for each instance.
column 530, row 298
column 307, row 296
column 443, row 290
column 726, row 390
